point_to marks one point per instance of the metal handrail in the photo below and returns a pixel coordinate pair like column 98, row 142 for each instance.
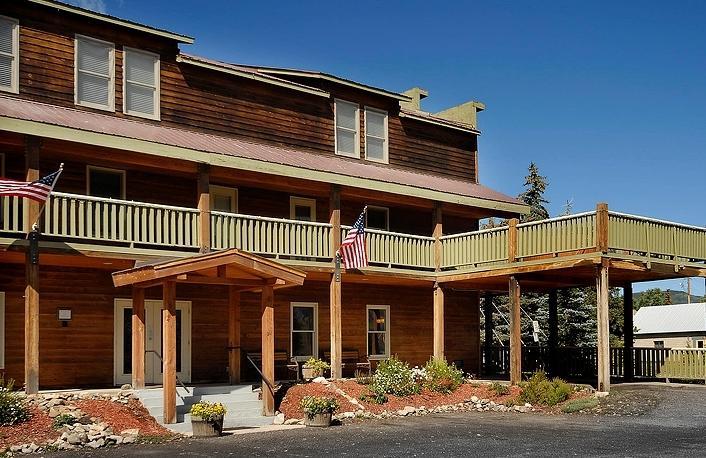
column 162, row 360
column 269, row 384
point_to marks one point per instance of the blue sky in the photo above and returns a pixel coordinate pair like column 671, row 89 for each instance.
column 608, row 98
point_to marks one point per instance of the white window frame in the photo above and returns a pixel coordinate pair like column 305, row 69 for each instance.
column 111, row 68
column 386, row 139
column 14, row 86
column 303, row 202
column 386, row 332
column 387, row 217
column 355, row 154
column 2, row 330
column 157, row 75
column 215, row 190
column 120, row 172
column 315, row 306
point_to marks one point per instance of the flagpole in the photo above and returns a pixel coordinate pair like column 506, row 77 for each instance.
column 35, row 227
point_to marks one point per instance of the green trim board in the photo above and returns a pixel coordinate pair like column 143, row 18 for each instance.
column 176, row 152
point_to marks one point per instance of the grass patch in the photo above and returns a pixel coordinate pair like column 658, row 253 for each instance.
column 578, row 405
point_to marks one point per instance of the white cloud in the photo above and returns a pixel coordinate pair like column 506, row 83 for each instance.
column 93, row 5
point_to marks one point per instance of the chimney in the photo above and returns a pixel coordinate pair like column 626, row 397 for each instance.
column 466, row 113
column 417, row 94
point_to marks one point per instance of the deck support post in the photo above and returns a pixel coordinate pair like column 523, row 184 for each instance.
column 335, row 293
column 628, row 333
column 489, row 332
column 138, row 338
column 233, row 335
column 32, row 147
column 438, row 321
column 515, row 333
column 204, row 205
column 553, row 339
column 602, row 315
column 268, row 350
column 169, row 350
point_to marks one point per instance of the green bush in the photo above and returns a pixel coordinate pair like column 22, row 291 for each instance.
column 579, row 404
column 394, row 377
column 13, row 407
column 208, row 411
column 442, row 376
column 318, row 365
column 499, row 389
column 375, row 398
column 313, row 405
column 542, row 391
column 63, row 419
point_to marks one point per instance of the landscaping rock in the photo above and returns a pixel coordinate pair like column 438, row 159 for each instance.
column 279, row 419
column 321, row 380
column 292, row 421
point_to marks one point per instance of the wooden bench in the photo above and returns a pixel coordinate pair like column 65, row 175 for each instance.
column 282, row 360
column 351, row 359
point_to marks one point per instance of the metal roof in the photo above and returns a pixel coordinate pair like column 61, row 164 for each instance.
column 431, row 118
column 277, row 160
column 666, row 319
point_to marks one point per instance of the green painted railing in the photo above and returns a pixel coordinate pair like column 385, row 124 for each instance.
column 653, row 238
column 271, row 236
column 556, row 235
column 121, row 221
column 11, row 211
column 475, row 248
column 685, row 364
column 394, row 249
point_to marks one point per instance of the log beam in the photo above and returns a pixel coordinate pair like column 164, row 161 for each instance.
column 233, row 335
column 488, row 328
column 438, row 322
column 515, row 333
column 169, row 351
column 268, row 351
column 138, row 338
column 602, row 315
column 32, row 147
column 335, row 292
column 628, row 333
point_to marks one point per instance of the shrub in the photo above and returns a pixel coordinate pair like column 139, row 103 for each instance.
column 442, row 376
column 13, row 407
column 374, row 397
column 499, row 389
column 363, row 377
column 313, row 405
column 394, row 377
column 208, row 411
column 318, row 365
column 540, row 390
column 579, row 404
column 63, row 419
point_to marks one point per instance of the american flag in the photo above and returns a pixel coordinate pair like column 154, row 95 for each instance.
column 38, row 190
column 353, row 252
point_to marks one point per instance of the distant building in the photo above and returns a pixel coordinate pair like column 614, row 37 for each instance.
column 671, row 326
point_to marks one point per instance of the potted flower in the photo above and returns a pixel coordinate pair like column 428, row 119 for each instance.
column 318, row 410
column 314, row 367
column 207, row 419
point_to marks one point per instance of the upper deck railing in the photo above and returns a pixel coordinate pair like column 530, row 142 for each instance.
column 100, row 221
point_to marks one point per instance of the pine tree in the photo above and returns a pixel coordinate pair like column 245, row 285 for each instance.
column 577, row 317
column 533, row 195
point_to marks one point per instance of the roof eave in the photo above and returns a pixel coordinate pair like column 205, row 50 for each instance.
column 439, row 122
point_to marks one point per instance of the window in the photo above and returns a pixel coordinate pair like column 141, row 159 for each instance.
column 347, row 129
column 108, row 183
column 2, row 164
column 659, row 343
column 375, row 135
column 304, row 330
column 377, row 218
column 9, row 54
column 140, row 83
column 302, row 209
column 95, row 73
column 378, row 331
column 224, row 199
column 699, row 344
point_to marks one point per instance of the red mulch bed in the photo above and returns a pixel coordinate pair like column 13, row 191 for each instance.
column 38, row 430
column 290, row 404
column 121, row 416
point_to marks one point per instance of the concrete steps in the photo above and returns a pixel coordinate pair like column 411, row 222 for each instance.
column 243, row 406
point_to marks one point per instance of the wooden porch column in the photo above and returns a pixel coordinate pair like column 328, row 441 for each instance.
column 602, row 316
column 268, row 350
column 233, row 335
column 628, row 333
column 32, row 147
column 515, row 333
column 138, row 338
column 488, row 328
column 438, row 321
column 553, row 339
column 169, row 351
column 204, row 194
column 335, row 303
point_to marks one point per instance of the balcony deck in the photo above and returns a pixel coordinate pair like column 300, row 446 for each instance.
column 639, row 247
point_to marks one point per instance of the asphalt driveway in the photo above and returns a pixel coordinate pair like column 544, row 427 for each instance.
column 636, row 420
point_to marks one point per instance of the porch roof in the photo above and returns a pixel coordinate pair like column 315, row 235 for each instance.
column 231, row 267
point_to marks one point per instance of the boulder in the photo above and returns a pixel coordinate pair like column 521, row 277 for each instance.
column 279, row 419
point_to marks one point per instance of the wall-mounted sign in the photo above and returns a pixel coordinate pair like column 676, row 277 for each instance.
column 64, row 314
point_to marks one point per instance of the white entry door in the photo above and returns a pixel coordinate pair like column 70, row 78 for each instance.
column 153, row 341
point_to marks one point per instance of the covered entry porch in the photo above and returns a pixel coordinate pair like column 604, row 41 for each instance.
column 240, row 272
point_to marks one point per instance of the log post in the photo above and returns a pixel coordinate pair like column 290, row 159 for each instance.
column 553, row 340
column 169, row 351
column 488, row 328
column 438, row 231
column 268, row 350
column 32, row 147
column 335, row 293
column 138, row 338
column 204, row 195
column 438, row 321
column 233, row 335
column 512, row 239
column 602, row 315
column 628, row 333
column 515, row 333
column 602, row 227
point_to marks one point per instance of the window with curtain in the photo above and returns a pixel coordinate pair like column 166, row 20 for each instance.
column 347, row 129
column 303, row 331
column 376, row 135
column 378, row 331
column 141, row 80
column 95, row 73
column 9, row 54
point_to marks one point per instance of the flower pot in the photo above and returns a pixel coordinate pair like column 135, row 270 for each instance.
column 207, row 428
column 309, row 373
column 319, row 420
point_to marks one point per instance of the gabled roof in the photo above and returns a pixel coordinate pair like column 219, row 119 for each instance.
column 666, row 319
column 114, row 20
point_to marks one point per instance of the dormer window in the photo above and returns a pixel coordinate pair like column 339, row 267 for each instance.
column 9, row 54
column 141, row 83
column 347, row 129
column 95, row 73
column 376, row 135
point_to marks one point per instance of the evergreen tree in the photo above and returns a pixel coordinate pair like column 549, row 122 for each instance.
column 653, row 296
column 577, row 317
column 533, row 195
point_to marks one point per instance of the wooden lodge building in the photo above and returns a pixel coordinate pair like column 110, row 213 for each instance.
column 193, row 229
